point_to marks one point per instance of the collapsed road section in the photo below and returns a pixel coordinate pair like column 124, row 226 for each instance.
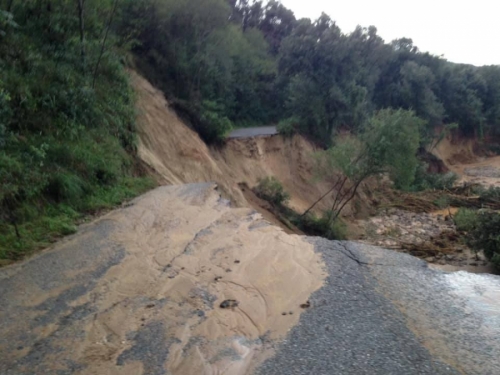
column 178, row 282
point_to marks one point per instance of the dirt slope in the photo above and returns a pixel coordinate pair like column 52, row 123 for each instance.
column 171, row 148
column 178, row 155
column 460, row 156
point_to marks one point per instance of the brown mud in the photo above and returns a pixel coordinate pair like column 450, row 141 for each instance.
column 185, row 253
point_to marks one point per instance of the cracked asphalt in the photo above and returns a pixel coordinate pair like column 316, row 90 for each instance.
column 72, row 310
column 382, row 312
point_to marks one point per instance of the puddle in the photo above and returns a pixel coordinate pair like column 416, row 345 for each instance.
column 468, row 268
column 482, row 293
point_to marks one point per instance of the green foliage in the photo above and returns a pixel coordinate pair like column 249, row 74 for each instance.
column 437, row 181
column 270, row 189
column 66, row 144
column 491, row 193
column 216, row 125
column 288, row 127
column 261, row 65
column 485, row 236
column 392, row 139
column 466, row 219
column 324, row 226
column 387, row 144
column 442, row 202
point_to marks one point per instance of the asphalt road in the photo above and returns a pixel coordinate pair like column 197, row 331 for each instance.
column 382, row 312
column 379, row 312
column 253, row 132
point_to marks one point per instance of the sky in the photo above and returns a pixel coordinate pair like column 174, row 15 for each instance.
column 463, row 31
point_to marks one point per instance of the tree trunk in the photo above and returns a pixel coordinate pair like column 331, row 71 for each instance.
column 321, row 198
column 353, row 193
column 103, row 46
column 81, row 4
column 9, row 5
column 17, row 230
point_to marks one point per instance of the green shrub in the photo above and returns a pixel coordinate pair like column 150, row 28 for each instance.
column 65, row 186
column 442, row 202
column 67, row 140
column 436, row 181
column 485, row 236
column 466, row 219
column 207, row 119
column 322, row 226
column 490, row 194
column 270, row 189
column 216, row 126
column 288, row 127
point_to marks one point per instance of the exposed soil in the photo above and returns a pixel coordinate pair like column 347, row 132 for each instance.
column 461, row 156
column 267, row 211
column 178, row 271
column 431, row 235
column 177, row 154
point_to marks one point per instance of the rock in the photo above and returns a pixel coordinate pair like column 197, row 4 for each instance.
column 228, row 304
column 306, row 305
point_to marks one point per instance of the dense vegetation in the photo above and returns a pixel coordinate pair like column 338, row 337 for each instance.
column 66, row 120
column 252, row 62
column 66, row 108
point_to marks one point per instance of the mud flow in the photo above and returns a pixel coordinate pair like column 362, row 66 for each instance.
column 145, row 290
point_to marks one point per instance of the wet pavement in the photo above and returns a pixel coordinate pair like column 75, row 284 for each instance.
column 382, row 312
column 139, row 290
column 253, row 132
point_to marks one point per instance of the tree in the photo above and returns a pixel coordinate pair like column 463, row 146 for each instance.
column 388, row 144
column 485, row 236
column 81, row 7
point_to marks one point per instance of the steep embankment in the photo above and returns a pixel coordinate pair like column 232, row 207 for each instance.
column 460, row 155
column 178, row 155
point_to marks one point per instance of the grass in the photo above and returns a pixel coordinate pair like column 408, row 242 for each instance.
column 53, row 221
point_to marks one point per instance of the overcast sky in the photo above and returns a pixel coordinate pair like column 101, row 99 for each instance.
column 464, row 31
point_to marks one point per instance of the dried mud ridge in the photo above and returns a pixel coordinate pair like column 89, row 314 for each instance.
column 140, row 291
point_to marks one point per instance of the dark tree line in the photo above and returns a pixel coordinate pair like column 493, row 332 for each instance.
column 253, row 62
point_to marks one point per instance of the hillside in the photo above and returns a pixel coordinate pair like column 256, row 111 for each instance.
column 178, row 155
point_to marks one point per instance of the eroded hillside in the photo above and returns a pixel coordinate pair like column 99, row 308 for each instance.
column 178, row 154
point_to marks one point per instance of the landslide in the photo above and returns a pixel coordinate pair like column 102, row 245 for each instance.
column 469, row 159
column 178, row 155
column 142, row 290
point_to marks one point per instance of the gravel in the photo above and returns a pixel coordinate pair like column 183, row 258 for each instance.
column 353, row 328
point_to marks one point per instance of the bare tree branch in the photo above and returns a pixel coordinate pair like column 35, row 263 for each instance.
column 103, row 46
column 81, row 8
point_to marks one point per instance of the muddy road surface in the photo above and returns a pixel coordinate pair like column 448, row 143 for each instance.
column 178, row 282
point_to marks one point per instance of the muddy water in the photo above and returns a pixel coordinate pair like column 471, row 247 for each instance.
column 482, row 294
